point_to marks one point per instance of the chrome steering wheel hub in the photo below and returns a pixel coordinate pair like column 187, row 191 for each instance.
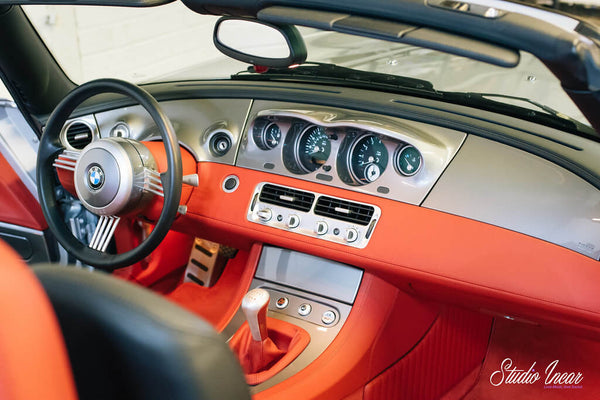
column 109, row 176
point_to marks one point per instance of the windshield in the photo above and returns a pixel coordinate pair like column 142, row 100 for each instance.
column 171, row 42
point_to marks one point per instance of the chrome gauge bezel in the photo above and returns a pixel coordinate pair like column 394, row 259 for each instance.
column 297, row 149
column 396, row 160
column 291, row 153
column 350, row 155
column 259, row 132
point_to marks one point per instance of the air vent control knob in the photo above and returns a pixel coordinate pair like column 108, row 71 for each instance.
column 321, row 228
column 265, row 214
column 351, row 235
column 293, row 221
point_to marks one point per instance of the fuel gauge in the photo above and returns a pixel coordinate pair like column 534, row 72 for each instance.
column 408, row 160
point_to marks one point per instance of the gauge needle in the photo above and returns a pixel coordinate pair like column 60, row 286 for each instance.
column 408, row 165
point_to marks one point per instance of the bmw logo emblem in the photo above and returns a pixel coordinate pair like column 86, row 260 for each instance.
column 95, row 177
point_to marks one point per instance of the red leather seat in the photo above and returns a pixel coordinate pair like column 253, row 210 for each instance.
column 68, row 333
column 33, row 358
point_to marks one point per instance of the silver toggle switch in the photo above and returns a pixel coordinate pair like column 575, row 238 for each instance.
column 265, row 214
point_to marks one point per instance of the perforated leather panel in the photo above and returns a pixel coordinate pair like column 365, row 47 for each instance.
column 455, row 344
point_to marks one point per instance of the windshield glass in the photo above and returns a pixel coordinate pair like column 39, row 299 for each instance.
column 171, row 42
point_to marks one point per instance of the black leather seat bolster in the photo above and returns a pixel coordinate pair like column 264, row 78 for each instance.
column 126, row 342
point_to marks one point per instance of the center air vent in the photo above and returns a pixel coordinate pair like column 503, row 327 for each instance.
column 343, row 210
column 79, row 135
column 286, row 197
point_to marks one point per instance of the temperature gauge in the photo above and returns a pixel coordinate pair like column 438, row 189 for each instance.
column 408, row 160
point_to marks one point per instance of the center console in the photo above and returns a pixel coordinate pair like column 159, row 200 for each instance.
column 307, row 291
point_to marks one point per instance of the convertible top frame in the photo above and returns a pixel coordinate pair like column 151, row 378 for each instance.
column 568, row 46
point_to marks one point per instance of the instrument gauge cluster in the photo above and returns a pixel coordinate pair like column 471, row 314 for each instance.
column 370, row 154
column 307, row 148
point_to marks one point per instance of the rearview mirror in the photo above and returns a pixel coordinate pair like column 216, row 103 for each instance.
column 259, row 43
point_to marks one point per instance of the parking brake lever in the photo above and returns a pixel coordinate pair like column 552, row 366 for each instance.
column 254, row 306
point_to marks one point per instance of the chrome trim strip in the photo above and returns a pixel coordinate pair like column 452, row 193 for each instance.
column 104, row 232
column 20, row 228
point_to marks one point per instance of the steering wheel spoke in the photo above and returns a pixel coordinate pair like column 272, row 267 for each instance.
column 104, row 232
column 152, row 182
column 67, row 160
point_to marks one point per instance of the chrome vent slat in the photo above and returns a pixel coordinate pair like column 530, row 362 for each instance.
column 343, row 210
column 79, row 135
column 286, row 197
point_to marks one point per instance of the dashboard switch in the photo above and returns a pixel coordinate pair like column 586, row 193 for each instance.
column 293, row 221
column 304, row 309
column 351, row 235
column 265, row 214
column 282, row 302
column 328, row 317
column 321, row 228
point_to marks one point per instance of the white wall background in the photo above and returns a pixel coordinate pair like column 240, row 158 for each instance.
column 127, row 43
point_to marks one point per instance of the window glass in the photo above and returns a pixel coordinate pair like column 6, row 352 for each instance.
column 4, row 94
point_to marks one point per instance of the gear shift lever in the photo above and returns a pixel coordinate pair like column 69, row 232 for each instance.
column 254, row 306
column 263, row 354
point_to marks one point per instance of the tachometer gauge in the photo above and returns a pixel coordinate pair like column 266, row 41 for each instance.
column 367, row 159
column 266, row 134
column 312, row 148
column 408, row 160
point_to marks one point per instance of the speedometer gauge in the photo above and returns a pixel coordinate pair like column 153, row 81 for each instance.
column 313, row 148
column 368, row 158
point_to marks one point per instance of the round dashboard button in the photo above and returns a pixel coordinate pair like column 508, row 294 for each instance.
column 328, row 317
column 304, row 309
column 282, row 302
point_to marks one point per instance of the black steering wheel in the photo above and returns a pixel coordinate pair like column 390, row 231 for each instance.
column 114, row 178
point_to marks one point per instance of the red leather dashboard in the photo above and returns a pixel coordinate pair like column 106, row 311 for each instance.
column 431, row 253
